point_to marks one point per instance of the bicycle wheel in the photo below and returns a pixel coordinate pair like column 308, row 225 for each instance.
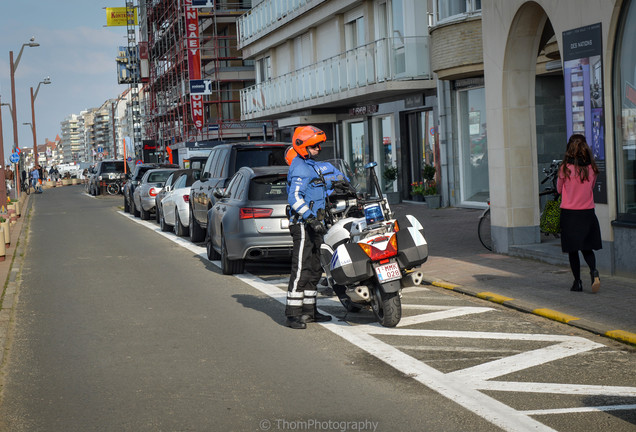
column 483, row 230
column 112, row 188
column 26, row 188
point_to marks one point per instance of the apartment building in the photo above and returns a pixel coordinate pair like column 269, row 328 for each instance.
column 358, row 69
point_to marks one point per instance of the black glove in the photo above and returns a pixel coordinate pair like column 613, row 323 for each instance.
column 317, row 226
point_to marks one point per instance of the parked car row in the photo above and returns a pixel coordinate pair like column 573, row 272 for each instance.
column 236, row 204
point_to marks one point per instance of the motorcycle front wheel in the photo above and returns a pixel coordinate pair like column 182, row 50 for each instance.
column 387, row 307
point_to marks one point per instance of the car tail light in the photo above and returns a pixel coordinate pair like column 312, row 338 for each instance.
column 152, row 192
column 377, row 254
column 186, row 198
column 252, row 213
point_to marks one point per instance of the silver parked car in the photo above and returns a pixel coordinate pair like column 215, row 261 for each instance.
column 150, row 185
column 173, row 210
column 249, row 219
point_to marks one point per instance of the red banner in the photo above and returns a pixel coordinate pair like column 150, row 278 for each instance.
column 194, row 60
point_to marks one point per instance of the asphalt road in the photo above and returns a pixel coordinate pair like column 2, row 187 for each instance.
column 119, row 328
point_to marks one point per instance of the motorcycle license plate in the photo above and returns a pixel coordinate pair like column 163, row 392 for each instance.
column 388, row 272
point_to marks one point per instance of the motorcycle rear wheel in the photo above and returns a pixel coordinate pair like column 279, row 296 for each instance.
column 387, row 307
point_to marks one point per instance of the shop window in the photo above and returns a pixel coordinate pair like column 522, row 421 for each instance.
column 473, row 148
column 625, row 113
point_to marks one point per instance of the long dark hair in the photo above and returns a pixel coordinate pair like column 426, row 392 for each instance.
column 579, row 154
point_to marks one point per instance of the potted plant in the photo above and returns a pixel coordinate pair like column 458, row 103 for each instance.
column 417, row 191
column 390, row 175
column 428, row 173
column 433, row 199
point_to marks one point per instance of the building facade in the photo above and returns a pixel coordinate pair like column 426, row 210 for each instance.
column 360, row 70
column 487, row 91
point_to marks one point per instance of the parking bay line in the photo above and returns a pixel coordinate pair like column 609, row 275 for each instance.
column 455, row 388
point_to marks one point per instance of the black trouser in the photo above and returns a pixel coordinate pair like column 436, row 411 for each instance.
column 305, row 271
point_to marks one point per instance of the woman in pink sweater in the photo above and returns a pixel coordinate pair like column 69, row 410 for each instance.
column 580, row 230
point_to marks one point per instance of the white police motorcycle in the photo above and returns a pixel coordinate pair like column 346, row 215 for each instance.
column 367, row 251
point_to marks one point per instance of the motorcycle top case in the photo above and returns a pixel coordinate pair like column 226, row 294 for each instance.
column 412, row 246
column 349, row 264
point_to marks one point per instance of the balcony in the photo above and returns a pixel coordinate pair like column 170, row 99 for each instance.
column 380, row 69
column 267, row 15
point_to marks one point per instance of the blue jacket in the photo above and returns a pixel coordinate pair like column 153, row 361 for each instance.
column 309, row 181
column 306, row 190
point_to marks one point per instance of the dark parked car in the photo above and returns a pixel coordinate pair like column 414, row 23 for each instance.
column 134, row 177
column 222, row 163
column 249, row 219
column 106, row 171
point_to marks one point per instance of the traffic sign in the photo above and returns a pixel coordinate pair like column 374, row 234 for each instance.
column 15, row 158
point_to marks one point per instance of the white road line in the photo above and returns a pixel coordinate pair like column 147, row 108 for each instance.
column 581, row 410
column 552, row 388
column 435, row 316
column 526, row 360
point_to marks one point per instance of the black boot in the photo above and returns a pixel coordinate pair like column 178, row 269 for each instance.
column 297, row 322
column 596, row 280
column 316, row 317
column 577, row 285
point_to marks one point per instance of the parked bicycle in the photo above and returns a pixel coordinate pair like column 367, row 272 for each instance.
column 115, row 188
column 25, row 186
column 484, row 227
column 551, row 175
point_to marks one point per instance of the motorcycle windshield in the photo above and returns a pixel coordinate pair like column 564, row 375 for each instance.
column 344, row 167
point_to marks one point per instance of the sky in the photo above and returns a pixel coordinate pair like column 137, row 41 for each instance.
column 76, row 51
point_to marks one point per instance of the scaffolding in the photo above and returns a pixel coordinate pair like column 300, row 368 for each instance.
column 168, row 103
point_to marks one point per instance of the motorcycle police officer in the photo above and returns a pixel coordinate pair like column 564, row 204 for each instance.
column 307, row 192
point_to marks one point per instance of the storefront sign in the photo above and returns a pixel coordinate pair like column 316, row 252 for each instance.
column 194, row 60
column 363, row 110
column 414, row 101
column 583, row 79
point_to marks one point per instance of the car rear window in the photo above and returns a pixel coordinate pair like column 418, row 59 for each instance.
column 255, row 157
column 268, row 188
column 159, row 176
column 112, row 167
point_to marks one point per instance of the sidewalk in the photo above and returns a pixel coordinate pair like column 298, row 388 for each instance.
column 457, row 261
column 9, row 269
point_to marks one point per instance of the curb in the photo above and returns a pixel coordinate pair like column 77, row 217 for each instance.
column 590, row 326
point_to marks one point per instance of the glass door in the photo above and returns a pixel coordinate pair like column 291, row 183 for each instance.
column 473, row 148
column 385, row 153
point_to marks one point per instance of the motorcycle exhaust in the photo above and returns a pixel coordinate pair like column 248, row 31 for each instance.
column 358, row 294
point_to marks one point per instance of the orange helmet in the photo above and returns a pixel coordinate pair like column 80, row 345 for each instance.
column 290, row 154
column 307, row 136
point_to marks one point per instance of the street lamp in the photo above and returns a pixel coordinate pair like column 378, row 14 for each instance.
column 47, row 80
column 14, row 66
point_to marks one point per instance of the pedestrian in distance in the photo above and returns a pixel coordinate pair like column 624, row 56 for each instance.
column 35, row 179
column 307, row 192
column 8, row 176
column 580, row 230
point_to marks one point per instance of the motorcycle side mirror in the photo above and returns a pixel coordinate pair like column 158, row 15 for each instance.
column 371, row 165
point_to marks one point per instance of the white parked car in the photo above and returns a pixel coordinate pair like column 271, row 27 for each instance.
column 173, row 210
